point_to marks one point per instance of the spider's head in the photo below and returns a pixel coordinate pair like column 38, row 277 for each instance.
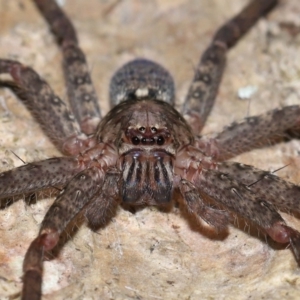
column 148, row 124
column 153, row 125
column 147, row 135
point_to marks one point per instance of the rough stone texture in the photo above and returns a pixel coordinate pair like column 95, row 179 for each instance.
column 151, row 254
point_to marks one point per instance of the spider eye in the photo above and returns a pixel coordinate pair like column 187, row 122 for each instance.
column 144, row 140
column 142, row 129
column 160, row 140
column 135, row 140
column 153, row 129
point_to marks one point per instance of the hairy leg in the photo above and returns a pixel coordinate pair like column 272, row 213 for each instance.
column 193, row 199
column 81, row 92
column 69, row 203
column 38, row 175
column 208, row 74
column 103, row 207
column 253, row 132
column 48, row 109
column 266, row 185
column 251, row 205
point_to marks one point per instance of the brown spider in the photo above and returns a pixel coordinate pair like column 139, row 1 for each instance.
column 143, row 149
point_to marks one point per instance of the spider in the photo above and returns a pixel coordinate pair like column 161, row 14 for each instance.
column 142, row 160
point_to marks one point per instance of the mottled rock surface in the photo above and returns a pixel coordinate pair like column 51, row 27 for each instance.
column 151, row 254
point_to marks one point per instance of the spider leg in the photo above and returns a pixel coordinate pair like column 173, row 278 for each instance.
column 81, row 92
column 103, row 207
column 203, row 90
column 38, row 175
column 258, row 131
column 54, row 171
column 49, row 110
column 77, row 194
column 266, row 185
column 214, row 217
column 243, row 201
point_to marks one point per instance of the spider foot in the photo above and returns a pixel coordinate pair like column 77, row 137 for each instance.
column 295, row 244
column 282, row 233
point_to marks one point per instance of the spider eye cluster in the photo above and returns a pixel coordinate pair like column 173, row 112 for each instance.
column 148, row 141
column 149, row 135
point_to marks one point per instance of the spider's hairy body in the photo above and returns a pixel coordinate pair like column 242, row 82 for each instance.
column 144, row 150
column 146, row 132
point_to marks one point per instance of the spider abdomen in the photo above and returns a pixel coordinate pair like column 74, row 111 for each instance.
column 139, row 79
